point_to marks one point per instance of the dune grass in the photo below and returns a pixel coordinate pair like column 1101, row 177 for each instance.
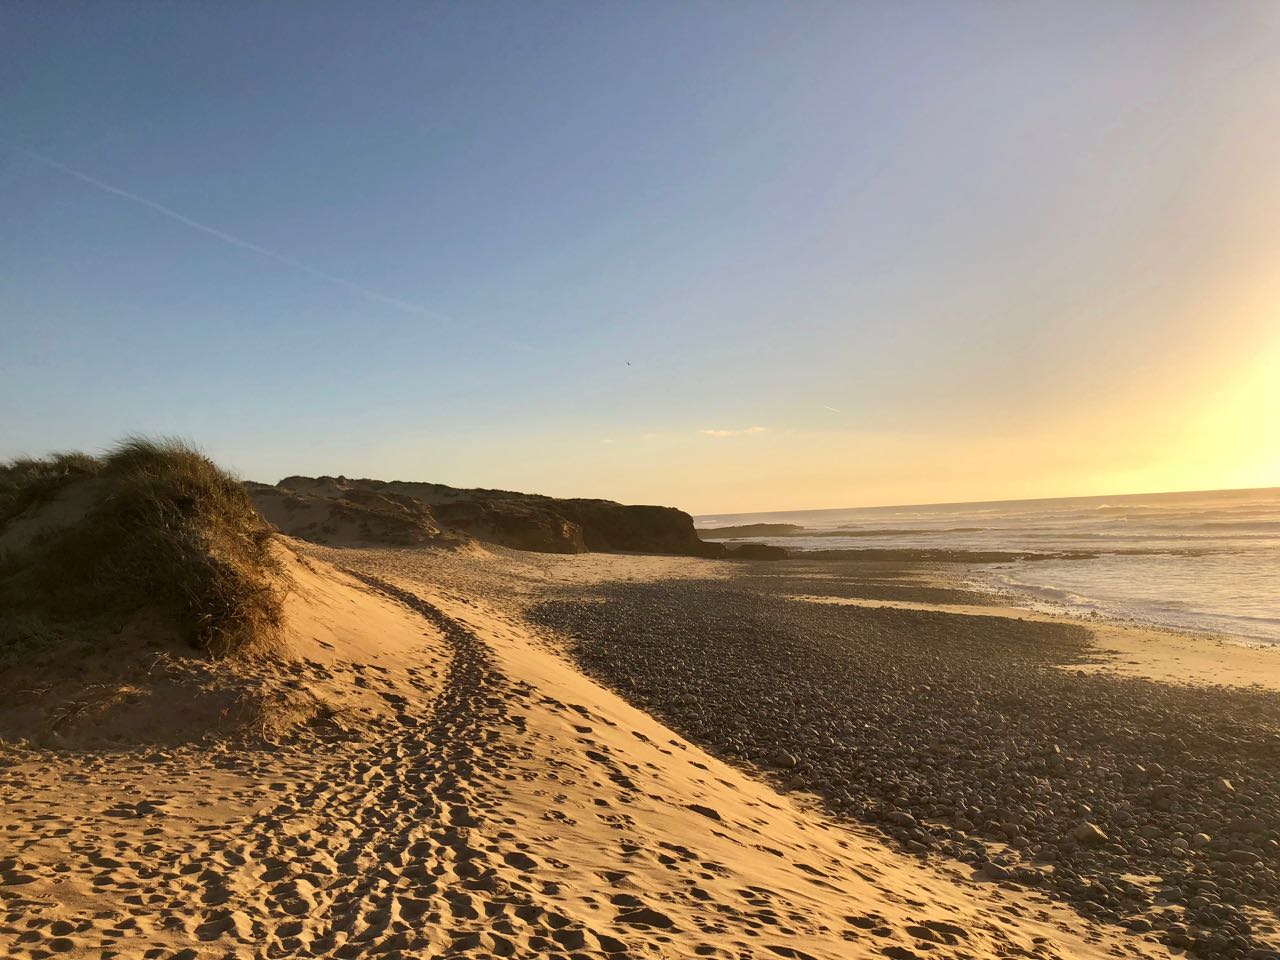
column 167, row 529
column 26, row 480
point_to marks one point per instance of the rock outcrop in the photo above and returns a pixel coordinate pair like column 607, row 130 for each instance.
column 514, row 523
column 337, row 510
column 613, row 526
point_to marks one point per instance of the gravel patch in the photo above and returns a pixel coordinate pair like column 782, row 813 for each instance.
column 1154, row 806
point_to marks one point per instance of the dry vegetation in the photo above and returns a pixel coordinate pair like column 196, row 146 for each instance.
column 163, row 528
column 27, row 481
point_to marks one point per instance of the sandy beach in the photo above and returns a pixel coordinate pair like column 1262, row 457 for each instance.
column 455, row 774
column 680, row 481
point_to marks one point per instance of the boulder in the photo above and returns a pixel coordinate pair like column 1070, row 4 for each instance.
column 782, row 760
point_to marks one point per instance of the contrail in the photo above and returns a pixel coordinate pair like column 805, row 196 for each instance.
column 232, row 239
column 832, row 409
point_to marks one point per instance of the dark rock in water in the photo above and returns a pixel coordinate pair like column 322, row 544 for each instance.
column 751, row 530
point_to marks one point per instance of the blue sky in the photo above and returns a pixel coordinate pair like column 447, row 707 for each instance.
column 928, row 251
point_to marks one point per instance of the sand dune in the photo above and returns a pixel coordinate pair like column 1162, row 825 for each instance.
column 465, row 792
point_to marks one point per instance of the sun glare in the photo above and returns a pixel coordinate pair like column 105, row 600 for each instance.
column 1235, row 440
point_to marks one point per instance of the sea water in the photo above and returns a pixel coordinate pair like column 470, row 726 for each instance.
column 1206, row 562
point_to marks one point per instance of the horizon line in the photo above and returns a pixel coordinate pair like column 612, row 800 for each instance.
column 969, row 503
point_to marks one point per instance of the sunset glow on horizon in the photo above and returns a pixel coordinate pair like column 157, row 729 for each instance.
column 913, row 254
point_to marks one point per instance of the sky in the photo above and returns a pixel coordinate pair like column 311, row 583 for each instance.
column 730, row 256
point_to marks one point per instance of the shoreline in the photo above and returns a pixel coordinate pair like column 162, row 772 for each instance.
column 1126, row 649
column 1162, row 651
column 962, row 571
column 1026, row 597
column 1197, row 563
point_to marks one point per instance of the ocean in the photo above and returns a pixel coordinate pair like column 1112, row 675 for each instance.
column 1206, row 562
